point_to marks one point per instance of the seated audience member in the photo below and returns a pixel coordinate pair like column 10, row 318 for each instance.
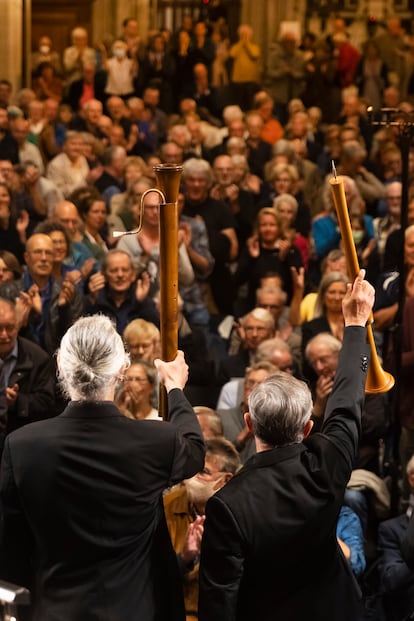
column 325, row 228
column 89, row 87
column 255, row 327
column 184, row 511
column 273, row 350
column 112, row 181
column 27, row 150
column 13, row 226
column 55, row 304
column 66, row 213
column 136, row 395
column 286, row 206
column 395, row 547
column 43, row 192
column 328, row 316
column 88, row 119
column 93, row 212
column 352, row 164
column 62, row 265
column 243, row 177
column 69, row 170
column 322, row 353
column 10, row 268
column 234, row 424
column 129, row 212
column 116, row 292
column 118, row 112
column 210, row 422
column 388, row 224
column 47, row 82
column 29, row 374
column 272, row 129
column 142, row 340
column 259, row 152
column 303, row 308
column 134, row 169
column 9, row 149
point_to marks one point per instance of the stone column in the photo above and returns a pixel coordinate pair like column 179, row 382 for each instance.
column 11, row 42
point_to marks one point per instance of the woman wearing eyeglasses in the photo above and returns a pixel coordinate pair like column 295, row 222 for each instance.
column 136, row 397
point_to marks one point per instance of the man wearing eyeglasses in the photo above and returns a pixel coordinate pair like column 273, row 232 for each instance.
column 184, row 512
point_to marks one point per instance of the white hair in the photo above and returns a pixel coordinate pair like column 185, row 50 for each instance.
column 90, row 358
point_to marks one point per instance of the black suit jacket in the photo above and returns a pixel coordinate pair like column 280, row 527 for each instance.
column 81, row 509
column 397, row 579
column 269, row 549
column 35, row 374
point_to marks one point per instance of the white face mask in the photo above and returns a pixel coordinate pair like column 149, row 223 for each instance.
column 200, row 491
column 119, row 52
column 44, row 49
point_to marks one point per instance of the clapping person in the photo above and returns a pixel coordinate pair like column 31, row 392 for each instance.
column 116, row 292
column 136, row 396
column 266, row 251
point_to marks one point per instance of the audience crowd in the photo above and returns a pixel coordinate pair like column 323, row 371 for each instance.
column 262, row 272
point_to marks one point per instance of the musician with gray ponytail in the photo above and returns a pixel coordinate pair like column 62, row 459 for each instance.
column 91, row 359
column 81, row 494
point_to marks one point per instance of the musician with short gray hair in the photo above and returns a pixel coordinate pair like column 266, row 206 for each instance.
column 269, row 549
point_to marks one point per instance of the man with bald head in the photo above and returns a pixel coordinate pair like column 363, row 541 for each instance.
column 55, row 304
column 322, row 353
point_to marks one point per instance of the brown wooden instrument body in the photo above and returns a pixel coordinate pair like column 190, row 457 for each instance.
column 378, row 380
column 168, row 181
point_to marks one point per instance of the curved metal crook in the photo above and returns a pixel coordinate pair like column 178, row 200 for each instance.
column 141, row 213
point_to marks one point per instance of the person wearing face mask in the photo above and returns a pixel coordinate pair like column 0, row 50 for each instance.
column 121, row 71
column 184, row 511
column 45, row 54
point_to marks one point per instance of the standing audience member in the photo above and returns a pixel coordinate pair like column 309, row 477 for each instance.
column 245, row 74
column 78, row 54
column 69, row 170
column 142, row 340
column 120, row 565
column 286, row 73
